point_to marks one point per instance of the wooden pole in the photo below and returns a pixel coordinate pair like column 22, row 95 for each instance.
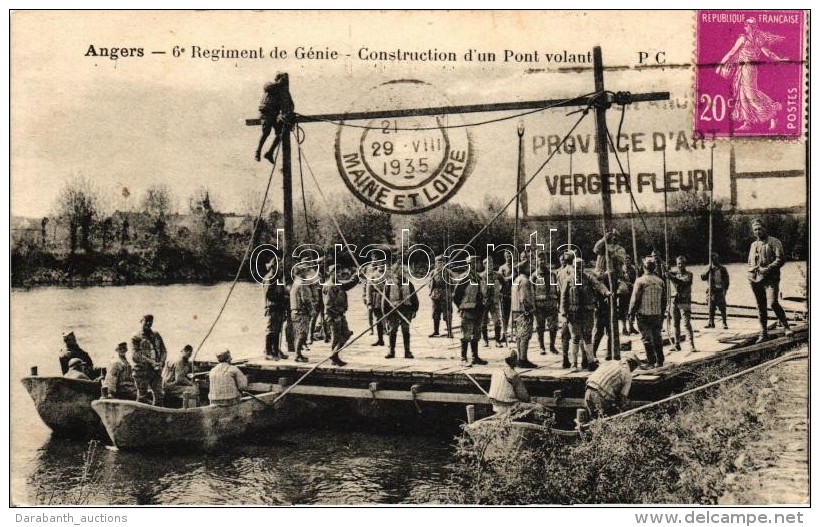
column 569, row 217
column 518, row 177
column 601, row 104
column 666, row 252
column 709, row 269
column 287, row 197
column 632, row 213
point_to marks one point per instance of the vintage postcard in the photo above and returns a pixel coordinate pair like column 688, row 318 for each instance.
column 409, row 257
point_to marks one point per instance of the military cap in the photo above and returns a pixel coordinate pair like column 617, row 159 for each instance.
column 75, row 362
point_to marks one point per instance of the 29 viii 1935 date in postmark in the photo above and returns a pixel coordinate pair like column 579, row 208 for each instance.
column 749, row 76
column 404, row 165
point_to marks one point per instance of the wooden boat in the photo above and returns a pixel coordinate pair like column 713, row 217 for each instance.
column 64, row 404
column 133, row 425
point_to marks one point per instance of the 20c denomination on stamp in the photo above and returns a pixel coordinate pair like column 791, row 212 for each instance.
column 404, row 165
column 749, row 75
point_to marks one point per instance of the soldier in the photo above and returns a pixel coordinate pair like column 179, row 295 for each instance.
column 566, row 272
column 522, row 309
column 334, row 293
column 546, row 305
column 76, row 370
column 176, row 382
column 119, row 380
column 468, row 298
column 401, row 302
column 681, row 291
column 148, row 353
column 607, row 390
column 579, row 295
column 317, row 311
column 718, row 278
column 506, row 272
column 648, row 305
column 275, row 110
column 74, row 351
column 617, row 254
column 301, row 303
column 276, row 306
column 373, row 292
column 226, row 382
column 629, row 277
column 766, row 257
column 491, row 293
column 442, row 297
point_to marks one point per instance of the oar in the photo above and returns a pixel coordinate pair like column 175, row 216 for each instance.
column 252, row 396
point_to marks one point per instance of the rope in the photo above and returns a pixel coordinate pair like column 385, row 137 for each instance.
column 244, row 257
column 302, row 184
column 584, row 113
column 465, row 125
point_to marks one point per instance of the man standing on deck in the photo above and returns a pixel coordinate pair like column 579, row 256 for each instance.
column 119, row 379
column 148, row 353
column 226, row 382
column 334, row 294
column 566, row 272
column 648, row 305
column 681, row 291
column 766, row 257
column 579, row 296
column 607, row 389
column 523, row 310
column 507, row 275
column 373, row 291
column 301, row 304
column 630, row 275
column 491, row 293
column 546, row 306
column 176, row 380
column 401, row 302
column 441, row 295
column 276, row 306
column 718, row 277
column 467, row 296
column 610, row 273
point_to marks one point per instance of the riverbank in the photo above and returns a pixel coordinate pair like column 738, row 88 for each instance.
column 704, row 449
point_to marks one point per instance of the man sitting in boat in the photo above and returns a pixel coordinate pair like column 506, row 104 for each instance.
column 176, row 381
column 119, row 381
column 74, row 351
column 608, row 386
column 227, row 382
column 76, row 369
column 149, row 354
column 507, row 390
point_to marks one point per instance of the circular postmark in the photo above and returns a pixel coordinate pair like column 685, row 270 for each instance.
column 407, row 164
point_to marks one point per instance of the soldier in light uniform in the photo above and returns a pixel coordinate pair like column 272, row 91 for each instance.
column 119, row 380
column 373, row 291
column 442, row 297
column 681, row 291
column 522, row 304
column 648, row 304
column 176, row 383
column 579, row 296
column 566, row 272
column 402, row 303
column 507, row 276
column 301, row 304
column 467, row 296
column 276, row 308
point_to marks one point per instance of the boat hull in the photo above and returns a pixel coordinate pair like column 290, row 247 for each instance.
column 133, row 425
column 64, row 405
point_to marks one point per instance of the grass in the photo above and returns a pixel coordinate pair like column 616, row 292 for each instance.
column 653, row 457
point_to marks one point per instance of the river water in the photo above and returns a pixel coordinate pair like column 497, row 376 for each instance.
column 305, row 467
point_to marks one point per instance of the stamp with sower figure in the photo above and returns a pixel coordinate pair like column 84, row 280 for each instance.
column 749, row 78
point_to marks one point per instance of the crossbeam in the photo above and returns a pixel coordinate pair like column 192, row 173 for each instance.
column 457, row 109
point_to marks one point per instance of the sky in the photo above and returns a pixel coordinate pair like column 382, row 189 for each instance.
column 130, row 123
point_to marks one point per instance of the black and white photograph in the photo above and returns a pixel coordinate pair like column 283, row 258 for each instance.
column 409, row 258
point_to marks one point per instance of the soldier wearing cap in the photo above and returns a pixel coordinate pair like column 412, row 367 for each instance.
column 467, row 296
column 766, row 257
column 176, row 381
column 226, row 382
column 148, row 353
column 491, row 292
column 301, row 304
column 276, row 307
column 318, row 309
column 648, row 305
column 375, row 277
column 334, row 293
column 579, row 296
column 522, row 302
column 76, row 369
column 507, row 274
column 607, row 388
column 718, row 277
column 681, row 292
column 507, row 391
column 442, row 297
column 400, row 303
column 546, row 305
column 119, row 380
column 74, row 351
column 566, row 272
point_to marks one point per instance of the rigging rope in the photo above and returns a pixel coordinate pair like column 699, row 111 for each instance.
column 464, row 125
column 584, row 113
column 244, row 256
column 302, row 184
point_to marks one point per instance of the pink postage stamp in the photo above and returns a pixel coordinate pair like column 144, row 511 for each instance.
column 749, row 79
